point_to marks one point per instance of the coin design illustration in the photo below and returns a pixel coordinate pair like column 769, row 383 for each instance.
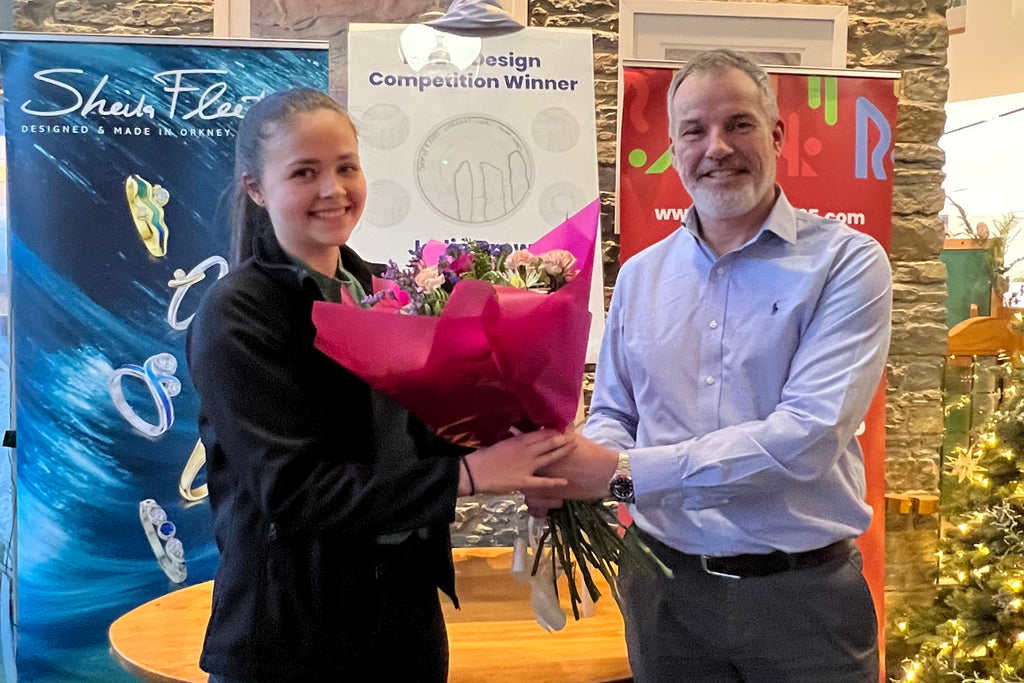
column 560, row 201
column 384, row 126
column 387, row 203
column 555, row 130
column 474, row 169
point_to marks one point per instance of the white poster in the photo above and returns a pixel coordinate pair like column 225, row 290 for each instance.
column 492, row 139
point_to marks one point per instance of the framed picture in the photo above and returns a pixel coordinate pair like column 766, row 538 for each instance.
column 771, row 34
column 232, row 18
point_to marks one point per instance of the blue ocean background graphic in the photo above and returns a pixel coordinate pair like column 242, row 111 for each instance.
column 87, row 299
column 83, row 557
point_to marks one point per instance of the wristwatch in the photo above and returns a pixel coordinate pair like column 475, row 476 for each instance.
column 620, row 488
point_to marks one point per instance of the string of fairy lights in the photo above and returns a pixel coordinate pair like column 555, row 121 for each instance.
column 973, row 632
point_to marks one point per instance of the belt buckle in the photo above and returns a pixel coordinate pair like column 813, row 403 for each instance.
column 704, row 565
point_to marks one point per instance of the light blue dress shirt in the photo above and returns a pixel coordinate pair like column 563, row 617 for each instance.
column 737, row 383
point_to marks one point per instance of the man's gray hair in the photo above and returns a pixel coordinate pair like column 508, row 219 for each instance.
column 718, row 62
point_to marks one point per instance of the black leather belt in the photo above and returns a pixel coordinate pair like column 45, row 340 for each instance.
column 746, row 566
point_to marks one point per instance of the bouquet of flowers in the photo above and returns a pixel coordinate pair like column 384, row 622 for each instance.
column 424, row 287
column 480, row 340
column 478, row 356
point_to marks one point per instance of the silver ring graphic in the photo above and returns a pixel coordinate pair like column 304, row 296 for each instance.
column 158, row 374
column 181, row 283
column 188, row 475
column 160, row 532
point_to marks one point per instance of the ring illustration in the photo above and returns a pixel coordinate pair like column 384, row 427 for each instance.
column 181, row 283
column 160, row 531
column 158, row 374
column 146, row 202
column 188, row 475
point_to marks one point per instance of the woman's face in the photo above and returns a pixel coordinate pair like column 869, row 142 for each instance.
column 312, row 185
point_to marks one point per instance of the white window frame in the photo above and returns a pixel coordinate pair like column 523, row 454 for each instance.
column 519, row 9
column 231, row 19
column 837, row 16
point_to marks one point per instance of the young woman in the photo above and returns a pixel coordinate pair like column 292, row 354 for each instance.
column 331, row 504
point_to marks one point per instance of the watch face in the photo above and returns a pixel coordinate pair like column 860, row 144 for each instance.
column 622, row 488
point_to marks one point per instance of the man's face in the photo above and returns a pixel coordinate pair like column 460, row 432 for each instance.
column 724, row 146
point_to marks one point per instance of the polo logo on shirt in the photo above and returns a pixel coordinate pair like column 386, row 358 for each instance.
column 775, row 308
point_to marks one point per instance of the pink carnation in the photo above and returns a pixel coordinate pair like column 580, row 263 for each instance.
column 558, row 262
column 520, row 257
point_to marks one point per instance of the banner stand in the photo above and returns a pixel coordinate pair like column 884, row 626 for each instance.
column 122, row 149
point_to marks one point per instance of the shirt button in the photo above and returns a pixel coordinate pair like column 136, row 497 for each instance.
column 713, row 324
column 709, row 380
column 720, row 271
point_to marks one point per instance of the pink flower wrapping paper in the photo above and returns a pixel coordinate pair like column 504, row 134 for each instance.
column 496, row 359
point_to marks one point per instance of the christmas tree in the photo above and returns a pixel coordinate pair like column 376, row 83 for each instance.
column 974, row 630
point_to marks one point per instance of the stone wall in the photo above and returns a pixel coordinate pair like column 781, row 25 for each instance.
column 911, row 36
column 134, row 17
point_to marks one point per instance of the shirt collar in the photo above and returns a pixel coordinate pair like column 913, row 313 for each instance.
column 330, row 288
column 781, row 221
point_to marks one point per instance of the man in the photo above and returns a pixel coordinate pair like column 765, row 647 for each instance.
column 740, row 355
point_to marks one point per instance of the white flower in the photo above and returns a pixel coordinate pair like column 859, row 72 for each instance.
column 429, row 279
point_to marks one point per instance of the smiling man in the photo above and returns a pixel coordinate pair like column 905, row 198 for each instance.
column 740, row 356
column 726, row 135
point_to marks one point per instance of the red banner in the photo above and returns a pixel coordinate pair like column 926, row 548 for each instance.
column 836, row 161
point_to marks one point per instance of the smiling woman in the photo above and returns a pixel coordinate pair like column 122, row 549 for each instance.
column 330, row 502
column 312, row 186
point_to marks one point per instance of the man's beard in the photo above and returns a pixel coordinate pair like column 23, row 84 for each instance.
column 729, row 202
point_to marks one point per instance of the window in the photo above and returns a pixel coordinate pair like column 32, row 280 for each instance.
column 771, row 34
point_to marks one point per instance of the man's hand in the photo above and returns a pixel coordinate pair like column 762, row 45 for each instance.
column 538, row 505
column 587, row 468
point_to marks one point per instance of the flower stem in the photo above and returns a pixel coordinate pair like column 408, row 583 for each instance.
column 587, row 534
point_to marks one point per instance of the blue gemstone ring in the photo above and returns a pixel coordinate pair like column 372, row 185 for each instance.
column 160, row 532
column 158, row 374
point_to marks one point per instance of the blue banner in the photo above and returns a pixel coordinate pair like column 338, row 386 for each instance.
column 120, row 154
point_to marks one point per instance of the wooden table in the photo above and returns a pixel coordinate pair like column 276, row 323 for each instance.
column 494, row 637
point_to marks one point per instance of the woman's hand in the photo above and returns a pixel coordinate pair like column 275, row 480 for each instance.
column 512, row 464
